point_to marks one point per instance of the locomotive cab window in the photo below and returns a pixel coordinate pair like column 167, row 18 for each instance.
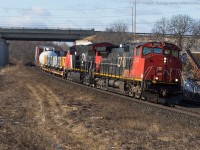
column 157, row 50
column 175, row 53
column 167, row 52
column 146, row 51
column 137, row 51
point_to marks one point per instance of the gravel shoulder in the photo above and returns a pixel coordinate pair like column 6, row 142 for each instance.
column 40, row 112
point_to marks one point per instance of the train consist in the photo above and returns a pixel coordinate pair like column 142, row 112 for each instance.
column 150, row 71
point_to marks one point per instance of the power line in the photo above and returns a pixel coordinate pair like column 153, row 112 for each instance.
column 167, row 12
column 69, row 9
column 63, row 17
column 63, row 24
column 82, row 17
column 62, row 9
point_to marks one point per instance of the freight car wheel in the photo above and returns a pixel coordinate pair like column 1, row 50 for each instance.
column 132, row 94
column 69, row 76
column 155, row 99
column 130, row 90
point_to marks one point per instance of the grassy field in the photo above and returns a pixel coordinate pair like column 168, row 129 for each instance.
column 39, row 112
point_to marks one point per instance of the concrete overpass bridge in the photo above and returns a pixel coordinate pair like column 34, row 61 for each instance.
column 34, row 34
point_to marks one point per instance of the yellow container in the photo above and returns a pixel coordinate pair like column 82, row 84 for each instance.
column 63, row 59
column 45, row 59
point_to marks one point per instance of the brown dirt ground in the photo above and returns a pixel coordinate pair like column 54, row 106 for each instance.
column 39, row 112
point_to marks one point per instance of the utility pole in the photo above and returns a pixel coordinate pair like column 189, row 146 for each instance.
column 134, row 14
column 135, row 18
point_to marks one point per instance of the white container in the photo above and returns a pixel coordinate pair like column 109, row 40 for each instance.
column 59, row 62
column 46, row 53
column 55, row 61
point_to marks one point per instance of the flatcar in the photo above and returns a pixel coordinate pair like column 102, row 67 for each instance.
column 151, row 71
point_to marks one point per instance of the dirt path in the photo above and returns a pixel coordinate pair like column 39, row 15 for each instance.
column 39, row 112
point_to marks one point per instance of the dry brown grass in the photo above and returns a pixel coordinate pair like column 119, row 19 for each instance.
column 43, row 113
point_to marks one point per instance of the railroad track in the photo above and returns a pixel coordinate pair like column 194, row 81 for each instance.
column 176, row 109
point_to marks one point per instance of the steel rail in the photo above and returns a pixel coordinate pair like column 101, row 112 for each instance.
column 176, row 109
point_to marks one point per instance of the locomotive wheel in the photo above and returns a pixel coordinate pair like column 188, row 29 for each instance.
column 103, row 87
column 130, row 90
column 85, row 81
column 64, row 75
column 131, row 94
column 69, row 77
column 137, row 95
column 153, row 98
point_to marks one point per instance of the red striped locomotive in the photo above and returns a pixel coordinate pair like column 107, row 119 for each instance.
column 144, row 70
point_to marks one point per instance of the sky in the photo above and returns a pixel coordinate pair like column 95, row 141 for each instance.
column 92, row 14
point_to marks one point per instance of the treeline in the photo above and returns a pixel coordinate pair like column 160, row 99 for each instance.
column 24, row 51
column 184, row 31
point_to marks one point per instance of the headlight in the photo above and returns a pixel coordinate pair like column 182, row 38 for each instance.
column 165, row 59
column 176, row 80
column 156, row 78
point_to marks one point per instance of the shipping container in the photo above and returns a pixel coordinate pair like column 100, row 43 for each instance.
column 63, row 60
column 55, row 61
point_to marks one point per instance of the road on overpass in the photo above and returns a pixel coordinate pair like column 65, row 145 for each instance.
column 31, row 34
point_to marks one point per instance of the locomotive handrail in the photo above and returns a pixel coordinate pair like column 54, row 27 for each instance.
column 148, row 71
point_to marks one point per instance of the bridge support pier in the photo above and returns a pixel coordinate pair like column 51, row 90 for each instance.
column 4, row 52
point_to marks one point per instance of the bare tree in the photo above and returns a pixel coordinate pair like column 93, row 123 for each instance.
column 24, row 51
column 193, row 42
column 178, row 26
column 117, row 26
column 116, row 33
column 160, row 28
column 64, row 46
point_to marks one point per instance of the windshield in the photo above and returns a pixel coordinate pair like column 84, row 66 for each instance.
column 167, row 52
column 158, row 50
column 146, row 50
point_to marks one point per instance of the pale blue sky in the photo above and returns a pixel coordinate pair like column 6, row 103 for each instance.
column 97, row 14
